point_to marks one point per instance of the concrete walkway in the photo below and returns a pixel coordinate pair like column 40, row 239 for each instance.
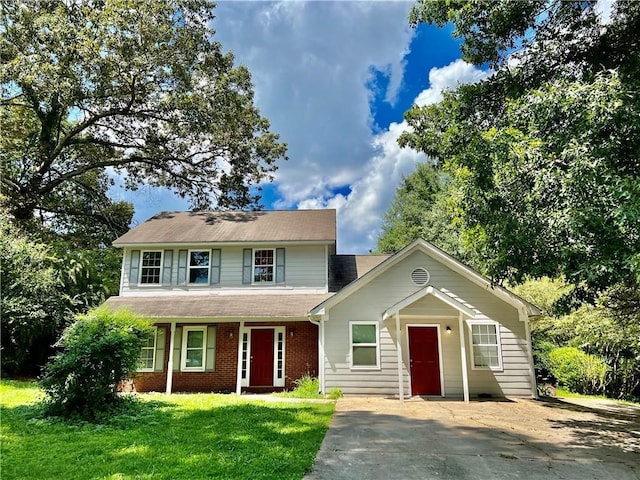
column 376, row 438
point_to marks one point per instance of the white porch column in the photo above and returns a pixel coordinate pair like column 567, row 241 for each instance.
column 172, row 341
column 399, row 351
column 463, row 355
column 239, row 370
column 322, row 359
column 532, row 372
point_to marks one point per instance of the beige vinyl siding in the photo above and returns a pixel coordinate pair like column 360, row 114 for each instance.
column 305, row 268
column 394, row 285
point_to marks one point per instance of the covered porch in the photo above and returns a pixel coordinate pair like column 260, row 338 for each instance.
column 429, row 332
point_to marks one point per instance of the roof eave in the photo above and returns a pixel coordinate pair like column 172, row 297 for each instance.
column 222, row 244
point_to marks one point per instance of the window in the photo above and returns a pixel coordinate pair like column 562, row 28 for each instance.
column 194, row 342
column 263, row 266
column 148, row 354
column 199, row 267
column 485, row 345
column 151, row 262
column 364, row 345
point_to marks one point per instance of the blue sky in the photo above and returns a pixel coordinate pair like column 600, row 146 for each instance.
column 334, row 79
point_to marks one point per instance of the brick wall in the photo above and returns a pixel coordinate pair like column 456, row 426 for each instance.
column 301, row 357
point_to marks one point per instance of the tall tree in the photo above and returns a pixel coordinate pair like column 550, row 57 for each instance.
column 33, row 301
column 140, row 88
column 546, row 150
column 425, row 206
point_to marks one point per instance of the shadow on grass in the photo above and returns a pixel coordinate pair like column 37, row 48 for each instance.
column 166, row 440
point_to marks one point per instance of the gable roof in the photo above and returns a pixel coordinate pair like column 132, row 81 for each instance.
column 441, row 256
column 234, row 226
column 441, row 295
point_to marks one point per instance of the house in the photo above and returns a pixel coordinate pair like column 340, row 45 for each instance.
column 251, row 301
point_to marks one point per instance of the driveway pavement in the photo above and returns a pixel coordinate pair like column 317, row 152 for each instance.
column 377, row 438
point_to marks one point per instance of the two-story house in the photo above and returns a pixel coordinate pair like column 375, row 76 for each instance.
column 251, row 301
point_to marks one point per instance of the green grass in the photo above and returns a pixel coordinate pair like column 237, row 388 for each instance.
column 566, row 393
column 162, row 437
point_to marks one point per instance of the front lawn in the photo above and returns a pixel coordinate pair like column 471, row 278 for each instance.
column 162, row 437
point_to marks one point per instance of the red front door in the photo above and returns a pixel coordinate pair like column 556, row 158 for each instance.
column 261, row 358
column 424, row 361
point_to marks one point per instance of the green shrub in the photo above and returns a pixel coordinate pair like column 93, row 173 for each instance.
column 98, row 351
column 334, row 393
column 577, row 370
column 307, row 387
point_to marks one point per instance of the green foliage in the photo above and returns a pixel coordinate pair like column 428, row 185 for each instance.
column 426, row 205
column 147, row 91
column 334, row 393
column 599, row 330
column 167, row 437
column 99, row 350
column 579, row 371
column 30, row 311
column 306, row 386
column 543, row 292
column 546, row 151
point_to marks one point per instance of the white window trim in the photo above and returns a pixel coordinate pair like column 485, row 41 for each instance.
column 183, row 350
column 499, row 367
column 279, row 382
column 253, row 266
column 153, row 363
column 159, row 284
column 189, row 267
column 377, row 345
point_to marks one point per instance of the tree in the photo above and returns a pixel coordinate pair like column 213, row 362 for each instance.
column 547, row 150
column 98, row 351
column 425, row 206
column 95, row 88
column 30, row 310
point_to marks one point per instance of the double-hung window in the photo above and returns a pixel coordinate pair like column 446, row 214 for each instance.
column 148, row 353
column 263, row 265
column 365, row 345
column 199, row 266
column 485, row 346
column 151, row 266
column 194, row 344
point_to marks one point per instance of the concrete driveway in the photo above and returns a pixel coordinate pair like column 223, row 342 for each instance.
column 377, row 438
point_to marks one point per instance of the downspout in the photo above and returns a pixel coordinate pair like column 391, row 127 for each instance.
column 172, row 342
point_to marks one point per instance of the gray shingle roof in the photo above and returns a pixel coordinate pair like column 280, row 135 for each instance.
column 344, row 269
column 212, row 306
column 234, row 226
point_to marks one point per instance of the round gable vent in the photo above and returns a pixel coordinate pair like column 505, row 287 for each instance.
column 420, row 276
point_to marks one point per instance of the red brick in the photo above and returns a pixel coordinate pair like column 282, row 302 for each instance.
column 301, row 358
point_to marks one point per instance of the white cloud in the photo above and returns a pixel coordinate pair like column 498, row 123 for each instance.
column 311, row 63
column 446, row 78
column 360, row 213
